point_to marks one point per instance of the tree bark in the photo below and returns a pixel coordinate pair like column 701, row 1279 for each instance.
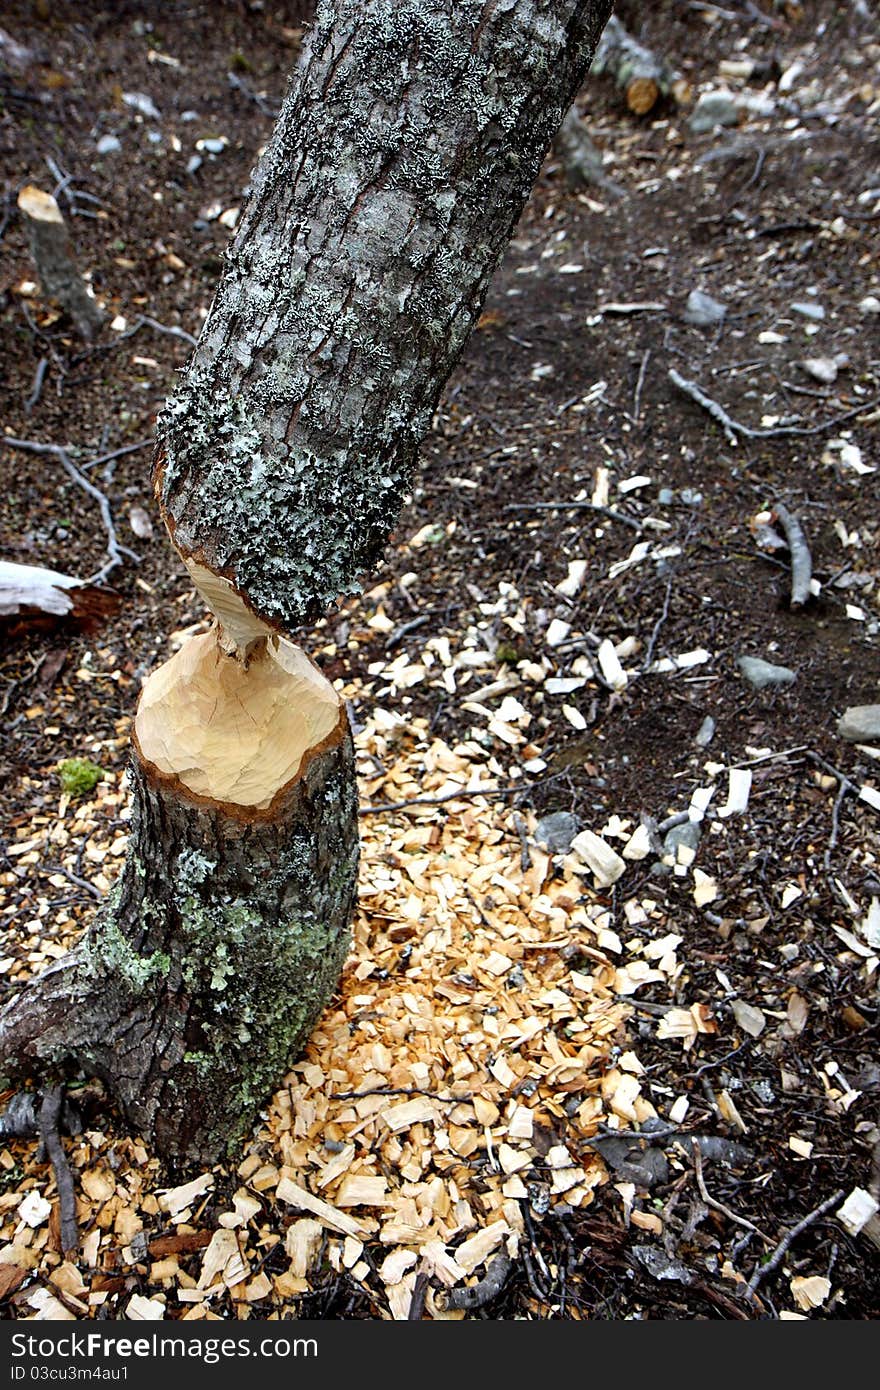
column 402, row 158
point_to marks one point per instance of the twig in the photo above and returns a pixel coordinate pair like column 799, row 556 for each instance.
column 37, row 389
column 75, row 879
column 575, row 506
column 420, row 1287
column 50, row 1118
column 118, row 453
column 719, row 415
column 649, row 654
column 801, row 559
column 719, row 1206
column 525, row 856
column 115, row 551
column 845, row 788
column 489, row 1287
column 732, row 428
column 266, row 108
column 637, row 398
column 497, row 789
column 779, row 1253
column 145, row 322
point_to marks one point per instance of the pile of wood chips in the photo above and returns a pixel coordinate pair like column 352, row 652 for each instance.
column 476, row 1041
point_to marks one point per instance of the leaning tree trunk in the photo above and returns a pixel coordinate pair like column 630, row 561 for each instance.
column 403, row 155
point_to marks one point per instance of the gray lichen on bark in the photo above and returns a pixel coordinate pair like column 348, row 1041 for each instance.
column 403, row 155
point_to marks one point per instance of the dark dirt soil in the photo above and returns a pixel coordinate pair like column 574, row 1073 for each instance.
column 550, row 388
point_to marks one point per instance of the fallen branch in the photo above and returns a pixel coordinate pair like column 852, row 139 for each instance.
column 801, row 559
column 779, row 1253
column 49, row 1122
column 115, row 551
column 639, row 73
column 732, row 428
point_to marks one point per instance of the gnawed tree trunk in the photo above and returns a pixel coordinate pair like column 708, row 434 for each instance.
column 402, row 158
column 204, row 973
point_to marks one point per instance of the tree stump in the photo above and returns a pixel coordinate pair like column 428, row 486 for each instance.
column 52, row 255
column 204, row 973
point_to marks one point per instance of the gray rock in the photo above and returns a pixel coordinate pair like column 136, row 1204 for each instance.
column 860, row 724
column 666, row 497
column 194, row 164
column 809, row 309
column 713, row 109
column 822, row 369
column 212, row 146
column 557, row 831
column 706, row 732
column 760, row 673
column 142, row 104
column 108, row 144
column 662, row 1266
column 688, row 833
column 690, row 497
column 702, row 310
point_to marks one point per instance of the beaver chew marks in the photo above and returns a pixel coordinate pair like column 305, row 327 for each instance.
column 233, row 733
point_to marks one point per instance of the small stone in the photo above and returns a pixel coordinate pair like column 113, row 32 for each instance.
column 860, row 724
column 706, row 732
column 869, row 305
column 211, row 145
column 690, row 498
column 108, row 144
column 142, row 104
column 154, row 137
column 822, row 369
column 687, row 834
column 666, row 497
column 763, row 673
column 702, row 310
column 194, row 164
column 557, row 831
column 141, row 524
column 713, row 109
column 809, row 309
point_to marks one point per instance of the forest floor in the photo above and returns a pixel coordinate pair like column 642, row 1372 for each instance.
column 634, row 1084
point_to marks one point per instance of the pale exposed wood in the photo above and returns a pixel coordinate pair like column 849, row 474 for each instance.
column 232, row 733
column 240, row 628
column 31, row 593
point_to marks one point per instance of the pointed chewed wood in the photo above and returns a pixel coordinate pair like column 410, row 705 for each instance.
column 232, row 733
